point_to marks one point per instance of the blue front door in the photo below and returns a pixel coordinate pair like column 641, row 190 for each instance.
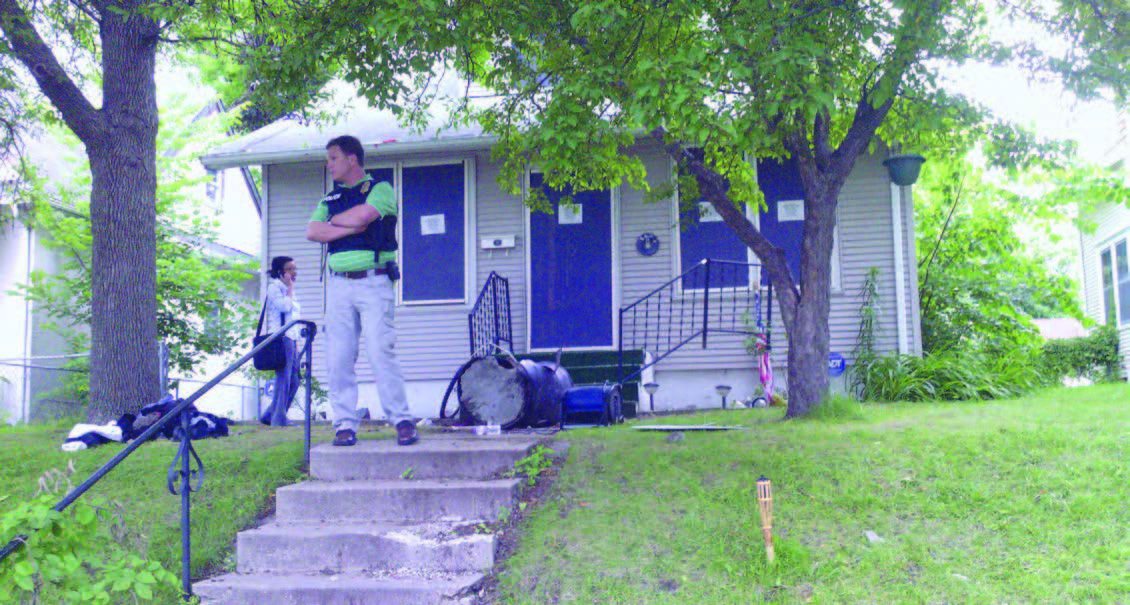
column 571, row 271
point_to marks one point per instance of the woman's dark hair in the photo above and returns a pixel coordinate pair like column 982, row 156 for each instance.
column 277, row 264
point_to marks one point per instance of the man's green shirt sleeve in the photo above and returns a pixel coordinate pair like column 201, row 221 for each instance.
column 321, row 213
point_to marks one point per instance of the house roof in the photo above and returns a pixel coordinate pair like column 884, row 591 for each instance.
column 289, row 140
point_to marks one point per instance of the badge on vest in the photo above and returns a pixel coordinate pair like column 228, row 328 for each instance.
column 365, row 187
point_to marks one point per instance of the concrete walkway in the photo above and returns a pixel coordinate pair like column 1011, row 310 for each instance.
column 378, row 524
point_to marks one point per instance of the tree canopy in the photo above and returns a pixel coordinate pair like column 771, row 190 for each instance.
column 572, row 85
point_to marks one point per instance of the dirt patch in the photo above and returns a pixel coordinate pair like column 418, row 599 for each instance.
column 508, row 532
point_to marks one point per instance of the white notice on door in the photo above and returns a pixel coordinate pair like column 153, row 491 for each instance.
column 570, row 215
column 707, row 213
column 432, row 224
column 790, row 210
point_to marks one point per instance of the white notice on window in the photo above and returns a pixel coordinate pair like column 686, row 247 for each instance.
column 432, row 224
column 570, row 215
column 790, row 210
column 707, row 214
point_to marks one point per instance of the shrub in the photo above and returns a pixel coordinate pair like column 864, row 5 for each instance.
column 1094, row 356
column 948, row 376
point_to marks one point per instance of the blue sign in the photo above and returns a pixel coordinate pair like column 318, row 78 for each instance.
column 836, row 364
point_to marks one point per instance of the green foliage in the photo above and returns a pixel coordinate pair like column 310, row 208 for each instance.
column 864, row 353
column 980, row 284
column 75, row 556
column 533, row 464
column 951, row 376
column 1094, row 357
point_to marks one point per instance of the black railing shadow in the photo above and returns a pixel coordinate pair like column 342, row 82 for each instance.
column 189, row 477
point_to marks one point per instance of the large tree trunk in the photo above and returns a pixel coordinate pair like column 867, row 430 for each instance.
column 124, row 366
column 806, row 324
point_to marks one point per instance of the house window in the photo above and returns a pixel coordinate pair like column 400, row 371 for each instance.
column 1123, row 267
column 1109, row 305
column 702, row 235
column 782, row 223
column 432, row 243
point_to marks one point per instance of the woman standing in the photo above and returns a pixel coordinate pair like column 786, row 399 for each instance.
column 282, row 308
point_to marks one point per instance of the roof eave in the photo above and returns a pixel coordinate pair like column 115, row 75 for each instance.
column 222, row 161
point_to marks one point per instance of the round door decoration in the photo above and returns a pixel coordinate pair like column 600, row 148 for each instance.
column 647, row 244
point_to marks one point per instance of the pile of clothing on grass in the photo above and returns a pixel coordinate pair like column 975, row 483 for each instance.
column 201, row 425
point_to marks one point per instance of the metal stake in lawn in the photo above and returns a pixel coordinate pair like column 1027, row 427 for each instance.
column 765, row 507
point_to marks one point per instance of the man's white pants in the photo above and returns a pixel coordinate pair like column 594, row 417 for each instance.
column 356, row 308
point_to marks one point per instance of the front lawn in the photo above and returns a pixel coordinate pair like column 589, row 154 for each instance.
column 1019, row 501
column 241, row 473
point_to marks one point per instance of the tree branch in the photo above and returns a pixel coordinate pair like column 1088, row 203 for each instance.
column 712, row 186
column 34, row 53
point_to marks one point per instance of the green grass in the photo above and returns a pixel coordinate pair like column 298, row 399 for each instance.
column 242, row 472
column 1016, row 501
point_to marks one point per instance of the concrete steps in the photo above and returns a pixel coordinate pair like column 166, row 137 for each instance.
column 379, row 524
column 395, row 500
column 355, row 547
column 451, row 458
column 345, row 589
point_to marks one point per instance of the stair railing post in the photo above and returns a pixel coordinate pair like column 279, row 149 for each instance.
column 181, row 474
column 185, row 508
column 495, row 312
column 309, row 363
column 706, row 302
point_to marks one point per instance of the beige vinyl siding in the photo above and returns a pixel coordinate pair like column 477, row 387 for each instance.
column 1111, row 225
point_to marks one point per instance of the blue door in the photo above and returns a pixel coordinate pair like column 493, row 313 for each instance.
column 571, row 271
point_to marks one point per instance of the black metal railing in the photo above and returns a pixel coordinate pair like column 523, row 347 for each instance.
column 489, row 319
column 714, row 296
column 187, row 470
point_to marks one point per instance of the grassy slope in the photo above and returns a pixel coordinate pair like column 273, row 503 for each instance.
column 241, row 475
column 1021, row 501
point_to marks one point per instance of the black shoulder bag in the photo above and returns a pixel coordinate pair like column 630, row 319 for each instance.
column 272, row 356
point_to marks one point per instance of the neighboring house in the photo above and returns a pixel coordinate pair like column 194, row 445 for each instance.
column 1105, row 258
column 29, row 353
column 569, row 272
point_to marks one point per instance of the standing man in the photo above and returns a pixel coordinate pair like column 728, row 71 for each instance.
column 357, row 222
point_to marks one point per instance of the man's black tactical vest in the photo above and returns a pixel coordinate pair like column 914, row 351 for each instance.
column 379, row 236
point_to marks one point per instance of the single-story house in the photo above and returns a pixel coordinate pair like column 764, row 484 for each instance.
column 571, row 272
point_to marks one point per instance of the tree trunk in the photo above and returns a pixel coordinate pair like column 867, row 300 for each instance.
column 124, row 366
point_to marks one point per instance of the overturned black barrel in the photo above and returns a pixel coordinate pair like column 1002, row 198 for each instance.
column 526, row 394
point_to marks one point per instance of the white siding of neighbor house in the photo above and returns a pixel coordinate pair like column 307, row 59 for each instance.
column 433, row 340
column 1111, row 225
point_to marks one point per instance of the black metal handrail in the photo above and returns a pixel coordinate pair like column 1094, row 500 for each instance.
column 186, row 454
column 489, row 319
column 720, row 295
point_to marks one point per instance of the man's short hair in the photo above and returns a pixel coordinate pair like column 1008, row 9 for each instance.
column 349, row 145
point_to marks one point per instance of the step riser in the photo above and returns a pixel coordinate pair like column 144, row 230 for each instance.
column 280, row 552
column 330, row 466
column 406, row 504
column 322, row 596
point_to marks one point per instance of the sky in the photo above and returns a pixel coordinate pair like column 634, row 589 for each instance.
column 1095, row 126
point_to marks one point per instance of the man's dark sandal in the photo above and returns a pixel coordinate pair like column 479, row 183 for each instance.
column 345, row 437
column 406, row 433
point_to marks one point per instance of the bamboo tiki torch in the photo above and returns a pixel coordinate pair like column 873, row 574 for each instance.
column 765, row 506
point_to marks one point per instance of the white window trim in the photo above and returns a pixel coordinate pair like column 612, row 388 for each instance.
column 1110, row 245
